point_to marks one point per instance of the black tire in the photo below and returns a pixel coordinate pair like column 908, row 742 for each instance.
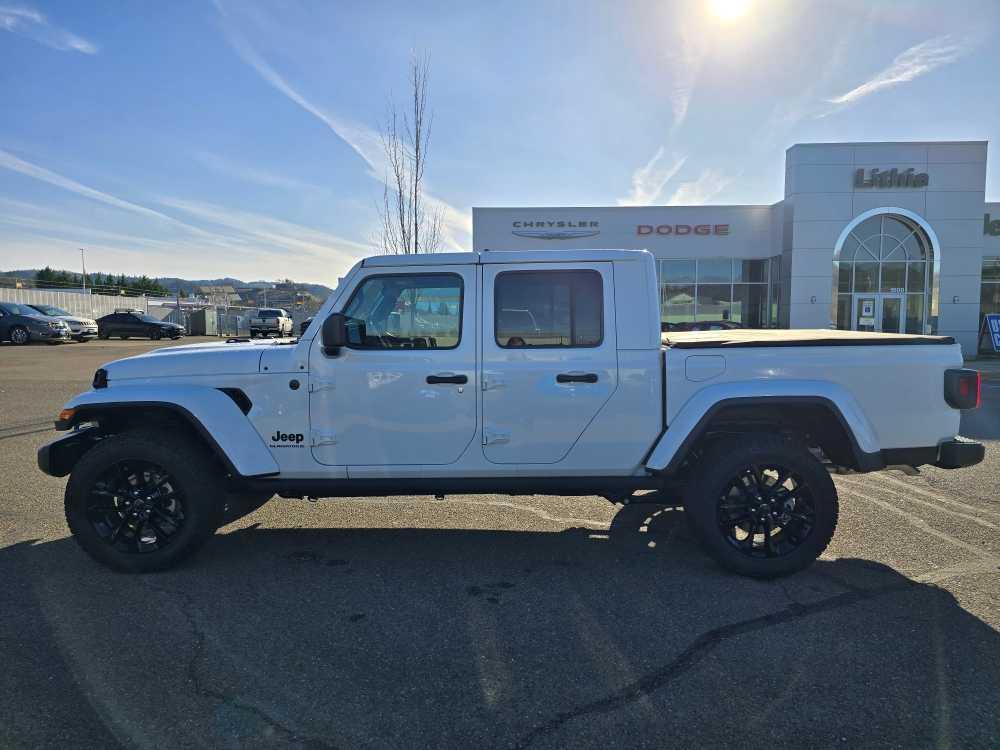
column 101, row 503
column 124, row 337
column 738, row 498
column 238, row 505
column 104, row 336
column 155, row 335
column 19, row 335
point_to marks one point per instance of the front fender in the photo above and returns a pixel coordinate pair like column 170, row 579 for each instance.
column 213, row 414
column 694, row 415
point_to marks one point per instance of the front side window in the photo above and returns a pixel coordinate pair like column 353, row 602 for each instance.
column 406, row 311
column 548, row 309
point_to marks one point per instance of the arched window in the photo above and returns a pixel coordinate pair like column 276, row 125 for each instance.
column 884, row 264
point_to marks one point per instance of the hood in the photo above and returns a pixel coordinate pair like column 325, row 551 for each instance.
column 77, row 319
column 239, row 358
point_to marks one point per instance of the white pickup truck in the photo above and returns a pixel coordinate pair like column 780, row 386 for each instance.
column 515, row 372
column 271, row 321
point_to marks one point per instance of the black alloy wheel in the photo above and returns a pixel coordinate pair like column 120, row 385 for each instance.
column 761, row 504
column 155, row 334
column 19, row 335
column 766, row 511
column 136, row 507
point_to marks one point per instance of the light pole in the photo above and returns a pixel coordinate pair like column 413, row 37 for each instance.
column 83, row 264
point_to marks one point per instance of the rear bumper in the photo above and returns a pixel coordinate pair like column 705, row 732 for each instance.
column 958, row 453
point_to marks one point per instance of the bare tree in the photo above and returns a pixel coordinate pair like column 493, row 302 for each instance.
column 408, row 223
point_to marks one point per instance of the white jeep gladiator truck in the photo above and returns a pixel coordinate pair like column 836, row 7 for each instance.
column 513, row 372
column 271, row 321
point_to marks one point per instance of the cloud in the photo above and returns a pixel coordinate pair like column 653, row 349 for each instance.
column 649, row 180
column 706, row 186
column 363, row 140
column 248, row 173
column 912, row 63
column 32, row 24
column 686, row 62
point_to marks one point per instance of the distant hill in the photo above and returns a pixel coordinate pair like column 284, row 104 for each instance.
column 188, row 286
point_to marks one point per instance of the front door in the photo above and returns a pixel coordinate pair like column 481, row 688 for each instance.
column 403, row 391
column 875, row 311
column 550, row 358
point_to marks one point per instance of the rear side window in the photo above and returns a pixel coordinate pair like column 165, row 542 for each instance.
column 406, row 311
column 548, row 309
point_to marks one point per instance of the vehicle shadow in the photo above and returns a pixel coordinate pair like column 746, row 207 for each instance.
column 401, row 637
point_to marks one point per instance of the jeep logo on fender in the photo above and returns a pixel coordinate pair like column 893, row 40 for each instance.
column 682, row 229
column 293, row 438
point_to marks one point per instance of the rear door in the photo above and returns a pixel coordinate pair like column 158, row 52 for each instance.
column 550, row 358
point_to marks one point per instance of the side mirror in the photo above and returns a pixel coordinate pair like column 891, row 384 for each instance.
column 334, row 334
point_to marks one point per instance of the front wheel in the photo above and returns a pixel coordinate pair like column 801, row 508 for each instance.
column 762, row 506
column 138, row 502
column 19, row 335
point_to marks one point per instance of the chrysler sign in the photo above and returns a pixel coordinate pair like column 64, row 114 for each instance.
column 555, row 229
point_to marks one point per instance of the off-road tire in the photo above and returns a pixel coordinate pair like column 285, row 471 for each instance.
column 720, row 465
column 197, row 478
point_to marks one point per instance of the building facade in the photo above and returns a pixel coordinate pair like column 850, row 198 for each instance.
column 871, row 236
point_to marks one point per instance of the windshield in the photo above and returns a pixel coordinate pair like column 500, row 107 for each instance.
column 50, row 310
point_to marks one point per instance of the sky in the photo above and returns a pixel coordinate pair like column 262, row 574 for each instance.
column 240, row 138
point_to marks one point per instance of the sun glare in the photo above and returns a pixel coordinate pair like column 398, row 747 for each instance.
column 730, row 10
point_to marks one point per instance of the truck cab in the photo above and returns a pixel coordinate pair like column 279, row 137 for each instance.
column 519, row 372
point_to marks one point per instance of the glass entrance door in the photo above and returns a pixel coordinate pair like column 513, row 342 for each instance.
column 890, row 313
column 878, row 312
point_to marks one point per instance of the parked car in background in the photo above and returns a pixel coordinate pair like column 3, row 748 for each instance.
column 304, row 325
column 271, row 321
column 700, row 325
column 21, row 324
column 81, row 328
column 135, row 323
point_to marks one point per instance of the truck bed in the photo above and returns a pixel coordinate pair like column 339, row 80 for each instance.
column 750, row 337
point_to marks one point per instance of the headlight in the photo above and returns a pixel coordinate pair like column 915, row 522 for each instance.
column 56, row 324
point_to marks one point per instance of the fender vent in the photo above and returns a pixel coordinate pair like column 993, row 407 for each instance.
column 239, row 398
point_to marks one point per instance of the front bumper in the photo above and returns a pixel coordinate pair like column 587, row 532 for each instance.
column 959, row 453
column 51, row 334
column 56, row 458
column 83, row 331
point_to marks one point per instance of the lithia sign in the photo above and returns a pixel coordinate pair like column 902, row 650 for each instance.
column 890, row 178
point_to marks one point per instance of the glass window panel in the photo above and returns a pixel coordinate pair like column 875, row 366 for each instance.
column 713, row 302
column 989, row 299
column 915, row 247
column 893, row 277
column 420, row 311
column 865, row 277
column 893, row 227
column 844, row 311
column 677, row 303
column 754, row 271
column 991, row 269
column 870, row 248
column 548, row 309
column 849, row 248
column 715, row 271
column 914, row 313
column 750, row 305
column 844, row 277
column 677, row 271
column 776, row 270
column 915, row 276
column 869, row 227
column 892, row 250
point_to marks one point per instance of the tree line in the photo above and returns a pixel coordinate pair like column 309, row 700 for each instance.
column 101, row 283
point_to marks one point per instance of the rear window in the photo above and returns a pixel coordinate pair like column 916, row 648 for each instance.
column 548, row 309
column 269, row 314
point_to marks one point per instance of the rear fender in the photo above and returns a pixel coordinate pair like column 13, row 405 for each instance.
column 210, row 412
column 694, row 417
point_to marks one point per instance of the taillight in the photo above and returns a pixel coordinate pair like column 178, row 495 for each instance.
column 963, row 388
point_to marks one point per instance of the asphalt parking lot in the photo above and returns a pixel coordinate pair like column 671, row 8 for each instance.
column 494, row 621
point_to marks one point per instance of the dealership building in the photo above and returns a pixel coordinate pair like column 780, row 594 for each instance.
column 870, row 236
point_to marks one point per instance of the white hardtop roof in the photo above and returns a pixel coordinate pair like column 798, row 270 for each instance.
column 506, row 256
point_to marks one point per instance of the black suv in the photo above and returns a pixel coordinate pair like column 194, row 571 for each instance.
column 129, row 323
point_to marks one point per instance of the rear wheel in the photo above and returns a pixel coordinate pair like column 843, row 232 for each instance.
column 19, row 335
column 155, row 335
column 124, row 337
column 762, row 505
column 138, row 502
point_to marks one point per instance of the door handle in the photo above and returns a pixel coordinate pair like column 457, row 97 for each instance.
column 447, row 377
column 576, row 377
